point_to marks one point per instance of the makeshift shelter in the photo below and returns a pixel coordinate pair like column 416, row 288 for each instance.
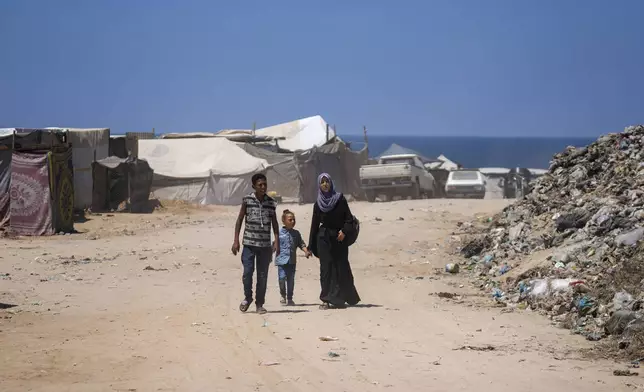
column 294, row 175
column 123, row 146
column 88, row 145
column 13, row 143
column 116, row 180
column 41, row 192
column 299, row 135
column 202, row 170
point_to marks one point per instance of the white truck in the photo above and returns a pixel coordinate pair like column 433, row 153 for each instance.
column 397, row 175
column 466, row 184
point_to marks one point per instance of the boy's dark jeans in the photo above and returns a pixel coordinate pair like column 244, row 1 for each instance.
column 253, row 257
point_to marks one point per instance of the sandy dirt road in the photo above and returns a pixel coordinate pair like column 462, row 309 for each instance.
column 91, row 318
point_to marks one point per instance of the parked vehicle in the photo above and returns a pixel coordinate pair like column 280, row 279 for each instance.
column 466, row 184
column 397, row 175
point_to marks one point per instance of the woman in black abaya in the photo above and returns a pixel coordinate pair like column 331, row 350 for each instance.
column 332, row 220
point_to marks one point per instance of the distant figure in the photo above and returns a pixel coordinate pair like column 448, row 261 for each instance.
column 517, row 183
column 258, row 210
column 290, row 241
column 332, row 221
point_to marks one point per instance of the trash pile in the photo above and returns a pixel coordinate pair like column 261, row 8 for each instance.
column 587, row 217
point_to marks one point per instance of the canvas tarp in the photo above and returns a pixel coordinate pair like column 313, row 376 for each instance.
column 22, row 138
column 198, row 158
column 294, row 175
column 282, row 175
column 87, row 145
column 121, row 179
column 202, row 171
column 300, row 135
column 336, row 159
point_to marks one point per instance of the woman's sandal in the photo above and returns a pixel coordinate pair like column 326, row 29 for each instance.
column 324, row 306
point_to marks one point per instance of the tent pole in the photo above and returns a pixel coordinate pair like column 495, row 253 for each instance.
column 327, row 132
column 13, row 140
column 366, row 140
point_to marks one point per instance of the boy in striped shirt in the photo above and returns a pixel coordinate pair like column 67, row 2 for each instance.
column 258, row 210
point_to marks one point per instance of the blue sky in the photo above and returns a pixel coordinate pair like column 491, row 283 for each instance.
column 452, row 67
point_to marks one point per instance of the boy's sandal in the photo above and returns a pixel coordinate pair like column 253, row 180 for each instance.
column 244, row 305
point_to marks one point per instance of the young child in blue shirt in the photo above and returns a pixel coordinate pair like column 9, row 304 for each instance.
column 289, row 240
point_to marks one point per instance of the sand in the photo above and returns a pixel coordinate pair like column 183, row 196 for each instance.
column 90, row 317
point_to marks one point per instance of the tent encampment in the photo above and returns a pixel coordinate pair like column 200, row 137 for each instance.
column 202, row 170
column 116, row 180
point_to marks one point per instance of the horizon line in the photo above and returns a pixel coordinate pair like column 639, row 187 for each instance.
column 473, row 136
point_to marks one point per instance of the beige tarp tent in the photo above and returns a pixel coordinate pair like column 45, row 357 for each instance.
column 294, row 175
column 203, row 170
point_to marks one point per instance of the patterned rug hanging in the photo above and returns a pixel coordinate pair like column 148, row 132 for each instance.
column 30, row 195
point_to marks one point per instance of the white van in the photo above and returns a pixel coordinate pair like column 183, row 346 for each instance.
column 465, row 184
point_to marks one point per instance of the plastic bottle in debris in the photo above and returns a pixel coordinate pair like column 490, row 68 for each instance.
column 452, row 268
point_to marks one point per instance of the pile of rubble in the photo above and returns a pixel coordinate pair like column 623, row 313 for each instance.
column 586, row 217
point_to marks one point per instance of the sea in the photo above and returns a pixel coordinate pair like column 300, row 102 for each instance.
column 476, row 152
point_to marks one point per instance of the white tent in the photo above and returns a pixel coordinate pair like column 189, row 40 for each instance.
column 202, row 170
column 299, row 135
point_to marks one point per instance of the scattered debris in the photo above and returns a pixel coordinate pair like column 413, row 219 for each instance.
column 328, row 339
column 624, row 373
column 269, row 363
column 452, row 268
column 443, row 294
column 149, row 268
column 476, row 348
column 333, row 354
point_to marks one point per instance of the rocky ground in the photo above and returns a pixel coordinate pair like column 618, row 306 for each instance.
column 571, row 249
column 149, row 303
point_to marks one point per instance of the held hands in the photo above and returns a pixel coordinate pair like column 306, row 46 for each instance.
column 307, row 252
column 340, row 236
column 276, row 248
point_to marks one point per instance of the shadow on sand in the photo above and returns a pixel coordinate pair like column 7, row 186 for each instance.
column 286, row 311
column 366, row 306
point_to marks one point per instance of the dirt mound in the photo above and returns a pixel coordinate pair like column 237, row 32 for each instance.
column 584, row 217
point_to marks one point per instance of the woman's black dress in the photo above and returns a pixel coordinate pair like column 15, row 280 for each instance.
column 336, row 279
